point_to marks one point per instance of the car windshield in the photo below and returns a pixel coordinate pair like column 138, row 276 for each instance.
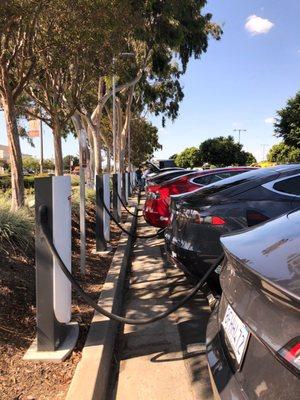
column 227, row 183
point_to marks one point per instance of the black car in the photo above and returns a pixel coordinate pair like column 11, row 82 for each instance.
column 253, row 335
column 200, row 218
column 164, row 176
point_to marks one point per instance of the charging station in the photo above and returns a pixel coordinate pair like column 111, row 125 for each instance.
column 127, row 186
column 102, row 217
column 123, row 187
column 56, row 335
column 116, row 184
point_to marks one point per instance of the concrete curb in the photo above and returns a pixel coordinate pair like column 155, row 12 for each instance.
column 92, row 374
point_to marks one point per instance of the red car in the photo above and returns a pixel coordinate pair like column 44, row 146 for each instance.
column 156, row 208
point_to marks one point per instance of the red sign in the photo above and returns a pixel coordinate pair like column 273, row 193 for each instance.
column 34, row 128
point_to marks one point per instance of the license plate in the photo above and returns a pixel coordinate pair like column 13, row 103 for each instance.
column 236, row 333
column 218, row 269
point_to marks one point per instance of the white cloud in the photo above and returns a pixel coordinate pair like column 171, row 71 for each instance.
column 270, row 120
column 257, row 25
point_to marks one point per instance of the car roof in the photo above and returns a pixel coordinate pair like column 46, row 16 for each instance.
column 166, row 174
column 239, row 183
column 196, row 173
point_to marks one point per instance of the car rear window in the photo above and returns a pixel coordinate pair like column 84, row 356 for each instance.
column 215, row 177
column 290, row 185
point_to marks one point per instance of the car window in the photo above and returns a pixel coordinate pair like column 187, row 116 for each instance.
column 203, row 180
column 212, row 178
column 290, row 185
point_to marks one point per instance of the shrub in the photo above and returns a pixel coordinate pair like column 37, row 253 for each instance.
column 16, row 229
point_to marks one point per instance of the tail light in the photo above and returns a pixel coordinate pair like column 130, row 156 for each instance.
column 291, row 355
column 207, row 219
column 255, row 217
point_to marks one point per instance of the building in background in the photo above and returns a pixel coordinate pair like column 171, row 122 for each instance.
column 5, row 158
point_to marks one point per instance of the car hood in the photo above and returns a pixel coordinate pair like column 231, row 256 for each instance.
column 271, row 251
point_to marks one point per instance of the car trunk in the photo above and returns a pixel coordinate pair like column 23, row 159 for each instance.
column 261, row 282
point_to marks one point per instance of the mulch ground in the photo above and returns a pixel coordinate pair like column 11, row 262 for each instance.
column 25, row 380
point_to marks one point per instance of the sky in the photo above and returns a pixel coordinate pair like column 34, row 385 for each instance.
column 238, row 84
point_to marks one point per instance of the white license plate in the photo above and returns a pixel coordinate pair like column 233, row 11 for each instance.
column 218, row 269
column 236, row 332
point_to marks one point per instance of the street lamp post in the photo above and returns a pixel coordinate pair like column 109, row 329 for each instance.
column 239, row 131
column 114, row 118
column 264, row 146
column 114, row 110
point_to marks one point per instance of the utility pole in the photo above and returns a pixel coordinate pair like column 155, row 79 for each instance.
column 239, row 131
column 114, row 118
column 42, row 146
column 264, row 146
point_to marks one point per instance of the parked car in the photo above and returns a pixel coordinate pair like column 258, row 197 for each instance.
column 157, row 204
column 161, row 166
column 253, row 335
column 199, row 219
column 163, row 176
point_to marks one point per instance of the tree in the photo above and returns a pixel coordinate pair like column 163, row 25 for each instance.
column 223, row 151
column 144, row 140
column 18, row 23
column 281, row 153
column 166, row 35
column 287, row 124
column 70, row 159
column 48, row 164
column 189, row 158
column 31, row 164
column 245, row 158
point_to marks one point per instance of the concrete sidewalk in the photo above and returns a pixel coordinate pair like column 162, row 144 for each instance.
column 164, row 360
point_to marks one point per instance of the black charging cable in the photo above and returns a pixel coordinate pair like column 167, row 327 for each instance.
column 124, row 205
column 127, row 232
column 43, row 219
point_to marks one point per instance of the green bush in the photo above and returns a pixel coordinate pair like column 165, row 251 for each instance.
column 16, row 229
column 5, row 181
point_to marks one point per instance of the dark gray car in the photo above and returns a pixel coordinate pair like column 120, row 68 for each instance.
column 200, row 218
column 253, row 335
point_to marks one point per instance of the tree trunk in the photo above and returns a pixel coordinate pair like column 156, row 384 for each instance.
column 91, row 164
column 17, row 181
column 94, row 124
column 58, row 157
column 108, row 165
column 118, row 134
column 124, row 133
column 97, row 151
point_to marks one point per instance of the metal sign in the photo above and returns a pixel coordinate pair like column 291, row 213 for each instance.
column 34, row 128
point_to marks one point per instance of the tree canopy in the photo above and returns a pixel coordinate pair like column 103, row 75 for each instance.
column 224, row 151
column 281, row 153
column 287, row 124
column 144, row 140
column 59, row 61
column 189, row 158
